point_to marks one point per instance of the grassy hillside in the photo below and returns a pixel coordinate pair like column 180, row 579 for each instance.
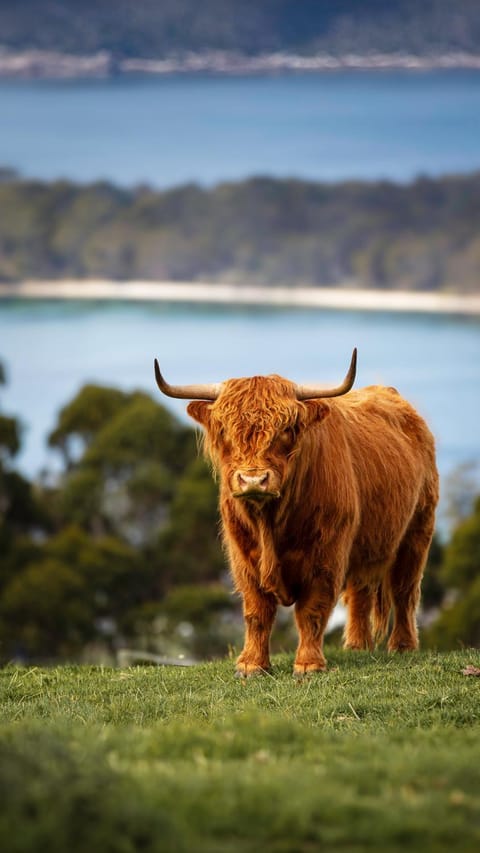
column 380, row 753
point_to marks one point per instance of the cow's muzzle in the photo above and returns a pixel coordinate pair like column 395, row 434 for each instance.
column 255, row 485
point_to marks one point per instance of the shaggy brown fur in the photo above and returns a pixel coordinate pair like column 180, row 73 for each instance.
column 348, row 507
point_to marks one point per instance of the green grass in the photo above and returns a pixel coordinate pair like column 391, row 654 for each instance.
column 379, row 753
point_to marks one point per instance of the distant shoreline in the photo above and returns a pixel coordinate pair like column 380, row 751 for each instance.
column 44, row 64
column 339, row 298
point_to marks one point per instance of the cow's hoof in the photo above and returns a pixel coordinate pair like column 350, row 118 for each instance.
column 402, row 647
column 359, row 647
column 402, row 642
column 249, row 670
column 306, row 670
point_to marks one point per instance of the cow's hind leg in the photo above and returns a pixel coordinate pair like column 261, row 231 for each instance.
column 259, row 611
column 405, row 579
column 358, row 628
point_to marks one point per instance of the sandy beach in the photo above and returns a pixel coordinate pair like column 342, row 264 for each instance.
column 226, row 294
column 52, row 64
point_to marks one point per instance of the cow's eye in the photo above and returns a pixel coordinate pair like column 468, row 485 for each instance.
column 287, row 437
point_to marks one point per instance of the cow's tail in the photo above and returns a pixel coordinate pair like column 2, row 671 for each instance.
column 382, row 605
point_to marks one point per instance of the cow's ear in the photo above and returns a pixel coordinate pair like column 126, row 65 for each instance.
column 199, row 410
column 316, row 410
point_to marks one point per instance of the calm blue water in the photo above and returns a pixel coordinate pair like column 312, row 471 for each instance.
column 167, row 131
column 51, row 349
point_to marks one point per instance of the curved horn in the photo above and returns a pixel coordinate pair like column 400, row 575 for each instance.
column 311, row 392
column 186, row 392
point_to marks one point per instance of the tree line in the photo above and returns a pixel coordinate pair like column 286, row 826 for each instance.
column 122, row 548
column 420, row 236
column 148, row 28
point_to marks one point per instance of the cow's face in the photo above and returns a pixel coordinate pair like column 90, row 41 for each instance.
column 254, row 432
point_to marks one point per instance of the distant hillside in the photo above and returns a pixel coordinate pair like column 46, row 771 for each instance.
column 122, row 30
column 423, row 236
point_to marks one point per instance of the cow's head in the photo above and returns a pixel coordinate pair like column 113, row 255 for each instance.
column 255, row 427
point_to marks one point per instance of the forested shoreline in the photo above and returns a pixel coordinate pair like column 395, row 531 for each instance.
column 177, row 29
column 422, row 236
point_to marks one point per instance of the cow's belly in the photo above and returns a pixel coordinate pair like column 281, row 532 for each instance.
column 373, row 553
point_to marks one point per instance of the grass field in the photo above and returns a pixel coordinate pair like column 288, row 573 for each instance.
column 379, row 753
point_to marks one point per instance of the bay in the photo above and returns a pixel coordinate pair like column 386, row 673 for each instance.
column 166, row 131
column 171, row 130
column 51, row 348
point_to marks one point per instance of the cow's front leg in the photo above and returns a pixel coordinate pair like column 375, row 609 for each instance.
column 259, row 611
column 312, row 612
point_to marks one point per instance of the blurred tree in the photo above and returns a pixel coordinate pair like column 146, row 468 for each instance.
column 193, row 620
column 462, row 556
column 44, row 612
column 461, row 487
column 9, row 429
column 22, row 513
column 9, row 437
column 132, row 454
column 72, row 590
column 433, row 586
column 143, row 429
column 189, row 546
column 143, row 502
column 459, row 620
column 81, row 419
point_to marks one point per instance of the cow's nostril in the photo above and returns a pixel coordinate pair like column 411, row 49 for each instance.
column 249, row 482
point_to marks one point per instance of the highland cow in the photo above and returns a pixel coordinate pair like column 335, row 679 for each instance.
column 323, row 492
